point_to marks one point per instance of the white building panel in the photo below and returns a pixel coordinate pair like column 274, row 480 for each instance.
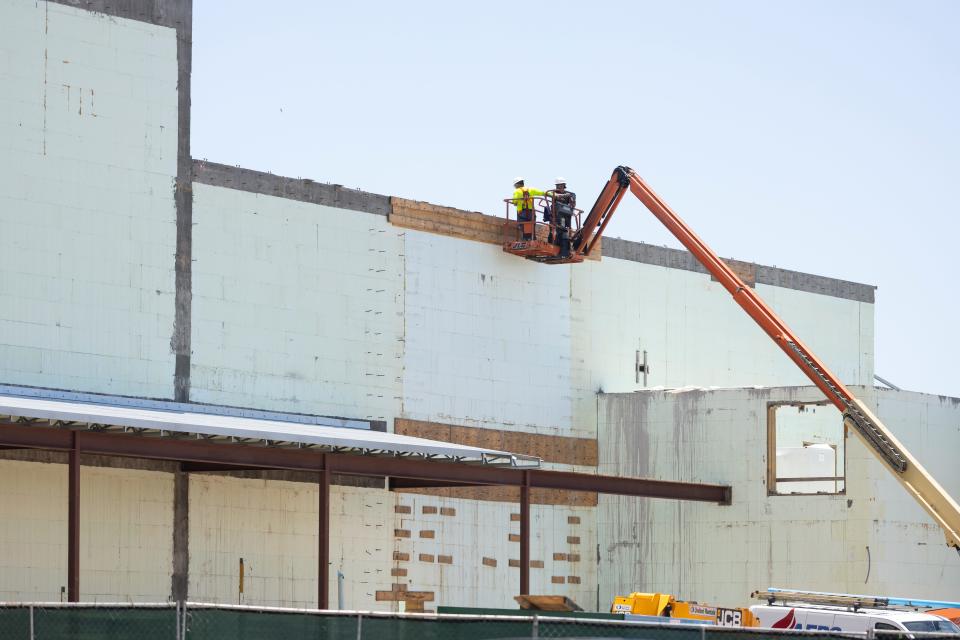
column 88, row 136
column 272, row 526
column 126, row 533
column 296, row 307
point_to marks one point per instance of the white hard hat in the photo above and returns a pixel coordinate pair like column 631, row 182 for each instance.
column 560, row 181
column 518, row 179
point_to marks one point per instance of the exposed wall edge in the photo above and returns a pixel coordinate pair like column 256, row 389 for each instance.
column 680, row 259
column 332, row 195
column 176, row 14
column 303, row 189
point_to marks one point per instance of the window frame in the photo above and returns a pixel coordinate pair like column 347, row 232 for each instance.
column 771, row 462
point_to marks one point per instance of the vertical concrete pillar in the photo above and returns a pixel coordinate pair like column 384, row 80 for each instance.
column 180, row 576
column 525, row 535
column 323, row 538
column 73, row 521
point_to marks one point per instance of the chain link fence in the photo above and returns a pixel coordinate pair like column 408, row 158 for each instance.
column 56, row 621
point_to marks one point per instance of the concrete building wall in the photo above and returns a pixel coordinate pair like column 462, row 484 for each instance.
column 296, row 307
column 126, row 533
column 873, row 539
column 88, row 152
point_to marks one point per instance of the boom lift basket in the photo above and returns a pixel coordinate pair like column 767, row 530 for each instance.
column 550, row 242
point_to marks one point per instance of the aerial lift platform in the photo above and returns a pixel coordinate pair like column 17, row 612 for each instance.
column 558, row 246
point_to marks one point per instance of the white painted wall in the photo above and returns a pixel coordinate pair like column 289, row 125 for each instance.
column 272, row 525
column 722, row 553
column 88, row 136
column 487, row 337
column 126, row 533
column 296, row 307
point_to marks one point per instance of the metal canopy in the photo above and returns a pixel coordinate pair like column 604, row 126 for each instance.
column 181, row 424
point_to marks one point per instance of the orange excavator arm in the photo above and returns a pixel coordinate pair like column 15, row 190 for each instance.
column 915, row 479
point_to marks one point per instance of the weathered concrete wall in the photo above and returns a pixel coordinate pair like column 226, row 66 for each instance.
column 88, row 123
column 126, row 533
column 815, row 542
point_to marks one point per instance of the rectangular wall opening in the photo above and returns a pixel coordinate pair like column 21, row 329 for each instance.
column 805, row 449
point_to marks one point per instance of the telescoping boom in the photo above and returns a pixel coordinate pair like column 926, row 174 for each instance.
column 856, row 415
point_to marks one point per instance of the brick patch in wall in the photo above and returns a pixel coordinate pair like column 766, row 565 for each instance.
column 573, row 539
column 490, row 562
column 573, row 519
column 398, row 592
column 573, row 557
column 514, row 563
column 402, row 508
column 402, row 557
column 401, row 533
column 513, row 537
column 557, row 579
column 573, row 579
column 514, row 517
column 426, row 533
column 448, row 511
column 429, row 510
column 559, row 556
column 445, row 559
column 536, row 564
column 397, row 572
column 426, row 557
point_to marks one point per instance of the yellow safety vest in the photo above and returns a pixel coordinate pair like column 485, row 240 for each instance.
column 523, row 197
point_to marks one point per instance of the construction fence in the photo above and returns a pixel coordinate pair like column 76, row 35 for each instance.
column 49, row 621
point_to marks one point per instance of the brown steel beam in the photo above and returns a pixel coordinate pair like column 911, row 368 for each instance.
column 191, row 450
column 394, row 483
column 323, row 539
column 525, row 535
column 73, row 521
column 623, row 486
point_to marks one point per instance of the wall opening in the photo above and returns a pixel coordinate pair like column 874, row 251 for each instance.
column 806, row 452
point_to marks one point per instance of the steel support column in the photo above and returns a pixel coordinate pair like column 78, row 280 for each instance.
column 73, row 521
column 323, row 537
column 525, row 535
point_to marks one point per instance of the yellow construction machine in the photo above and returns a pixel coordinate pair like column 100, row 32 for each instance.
column 658, row 606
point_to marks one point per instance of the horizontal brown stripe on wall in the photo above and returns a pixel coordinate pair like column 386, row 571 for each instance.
column 559, row 449
column 512, row 494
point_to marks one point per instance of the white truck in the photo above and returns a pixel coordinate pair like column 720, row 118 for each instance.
column 820, row 611
column 822, row 618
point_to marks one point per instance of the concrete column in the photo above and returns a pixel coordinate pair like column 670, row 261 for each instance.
column 180, row 576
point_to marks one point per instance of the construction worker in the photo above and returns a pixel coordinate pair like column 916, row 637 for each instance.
column 564, row 203
column 523, row 200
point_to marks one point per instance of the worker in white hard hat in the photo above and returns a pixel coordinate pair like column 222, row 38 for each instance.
column 523, row 201
column 561, row 213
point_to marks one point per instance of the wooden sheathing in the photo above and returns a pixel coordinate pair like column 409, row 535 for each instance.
column 423, row 216
column 466, row 225
column 557, row 449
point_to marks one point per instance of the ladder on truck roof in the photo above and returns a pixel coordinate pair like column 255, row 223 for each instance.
column 855, row 601
column 856, row 416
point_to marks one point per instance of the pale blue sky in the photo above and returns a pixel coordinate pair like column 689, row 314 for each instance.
column 817, row 136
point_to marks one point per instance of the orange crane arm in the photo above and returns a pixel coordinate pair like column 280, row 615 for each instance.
column 920, row 484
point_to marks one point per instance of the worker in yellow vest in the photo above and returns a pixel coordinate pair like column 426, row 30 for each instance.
column 523, row 200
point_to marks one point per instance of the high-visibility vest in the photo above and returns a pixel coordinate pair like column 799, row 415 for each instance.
column 523, row 197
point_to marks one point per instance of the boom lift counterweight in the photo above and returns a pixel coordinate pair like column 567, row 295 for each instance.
column 856, row 416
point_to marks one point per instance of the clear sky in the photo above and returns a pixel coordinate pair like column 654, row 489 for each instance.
column 820, row 136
